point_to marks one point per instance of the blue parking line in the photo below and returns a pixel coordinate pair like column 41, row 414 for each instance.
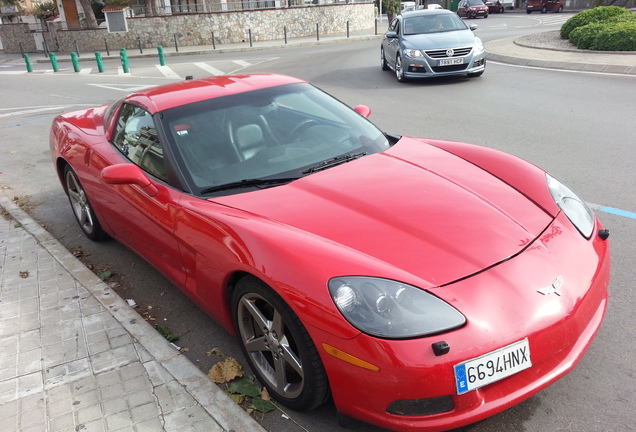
column 618, row 212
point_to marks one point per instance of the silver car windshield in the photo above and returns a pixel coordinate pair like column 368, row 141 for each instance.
column 282, row 132
column 432, row 24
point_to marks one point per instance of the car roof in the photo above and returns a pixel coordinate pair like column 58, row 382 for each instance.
column 419, row 12
column 161, row 98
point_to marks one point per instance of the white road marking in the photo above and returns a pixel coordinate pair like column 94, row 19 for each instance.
column 167, row 72
column 206, row 67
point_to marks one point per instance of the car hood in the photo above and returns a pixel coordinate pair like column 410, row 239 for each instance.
column 415, row 207
column 442, row 40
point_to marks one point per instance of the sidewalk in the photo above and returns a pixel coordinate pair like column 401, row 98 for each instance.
column 75, row 357
column 532, row 51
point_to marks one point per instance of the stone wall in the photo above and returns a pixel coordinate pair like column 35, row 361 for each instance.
column 198, row 29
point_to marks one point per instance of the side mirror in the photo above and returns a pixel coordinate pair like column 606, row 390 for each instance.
column 473, row 27
column 130, row 174
column 363, row 110
column 390, row 35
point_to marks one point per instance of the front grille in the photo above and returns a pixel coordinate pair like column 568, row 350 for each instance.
column 452, row 68
column 457, row 52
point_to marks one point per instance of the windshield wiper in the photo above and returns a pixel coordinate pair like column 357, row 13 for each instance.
column 333, row 162
column 246, row 183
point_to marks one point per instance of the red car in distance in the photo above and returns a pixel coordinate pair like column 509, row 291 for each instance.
column 472, row 9
column 544, row 6
column 420, row 284
column 495, row 7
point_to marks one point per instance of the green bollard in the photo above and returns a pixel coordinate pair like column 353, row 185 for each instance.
column 53, row 59
column 100, row 63
column 28, row 63
column 75, row 61
column 124, row 60
column 162, row 58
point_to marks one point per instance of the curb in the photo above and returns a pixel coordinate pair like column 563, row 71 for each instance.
column 213, row 400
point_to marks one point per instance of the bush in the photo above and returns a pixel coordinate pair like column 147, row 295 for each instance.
column 620, row 36
column 583, row 37
column 597, row 15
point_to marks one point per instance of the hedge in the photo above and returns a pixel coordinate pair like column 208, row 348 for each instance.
column 616, row 37
column 597, row 15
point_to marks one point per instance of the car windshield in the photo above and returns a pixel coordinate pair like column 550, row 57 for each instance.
column 260, row 137
column 433, row 24
column 475, row 3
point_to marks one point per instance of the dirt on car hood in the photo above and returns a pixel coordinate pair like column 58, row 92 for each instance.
column 416, row 207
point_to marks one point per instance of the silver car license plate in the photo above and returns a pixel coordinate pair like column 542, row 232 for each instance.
column 450, row 62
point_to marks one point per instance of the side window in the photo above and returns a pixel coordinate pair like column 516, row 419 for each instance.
column 394, row 24
column 136, row 137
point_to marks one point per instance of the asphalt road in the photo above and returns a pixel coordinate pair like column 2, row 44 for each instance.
column 578, row 126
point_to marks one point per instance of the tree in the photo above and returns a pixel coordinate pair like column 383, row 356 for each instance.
column 91, row 22
column 43, row 11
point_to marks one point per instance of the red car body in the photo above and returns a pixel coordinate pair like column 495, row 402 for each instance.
column 544, row 6
column 475, row 227
column 472, row 9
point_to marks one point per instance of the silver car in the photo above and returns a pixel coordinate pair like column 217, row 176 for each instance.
column 429, row 43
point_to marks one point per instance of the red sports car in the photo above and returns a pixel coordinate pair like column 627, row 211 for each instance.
column 443, row 281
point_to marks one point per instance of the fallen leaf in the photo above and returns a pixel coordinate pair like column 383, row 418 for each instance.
column 225, row 371
column 263, row 405
column 24, row 274
column 215, row 351
column 245, row 386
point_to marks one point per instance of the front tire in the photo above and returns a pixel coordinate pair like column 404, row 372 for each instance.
column 82, row 209
column 277, row 346
column 399, row 71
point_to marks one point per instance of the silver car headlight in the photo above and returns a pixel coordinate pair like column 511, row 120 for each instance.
column 479, row 48
column 574, row 207
column 390, row 309
column 413, row 53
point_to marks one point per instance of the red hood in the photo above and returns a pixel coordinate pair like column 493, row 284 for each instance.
column 414, row 206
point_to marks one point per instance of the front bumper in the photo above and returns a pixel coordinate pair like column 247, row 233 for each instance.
column 502, row 306
column 427, row 67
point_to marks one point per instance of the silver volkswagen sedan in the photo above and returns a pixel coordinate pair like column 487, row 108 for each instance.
column 429, row 43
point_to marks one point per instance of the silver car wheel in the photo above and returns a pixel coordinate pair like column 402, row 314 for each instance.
column 399, row 72
column 81, row 206
column 278, row 347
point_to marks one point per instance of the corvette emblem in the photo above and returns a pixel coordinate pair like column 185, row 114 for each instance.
column 555, row 288
column 449, row 53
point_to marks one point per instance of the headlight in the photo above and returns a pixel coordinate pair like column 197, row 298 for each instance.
column 574, row 208
column 479, row 48
column 413, row 53
column 392, row 310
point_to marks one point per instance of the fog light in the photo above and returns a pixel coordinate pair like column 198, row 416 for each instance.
column 420, row 407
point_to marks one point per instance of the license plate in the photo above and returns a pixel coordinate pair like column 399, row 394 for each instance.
column 492, row 367
column 450, row 62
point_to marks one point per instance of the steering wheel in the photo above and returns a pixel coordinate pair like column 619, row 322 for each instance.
column 301, row 127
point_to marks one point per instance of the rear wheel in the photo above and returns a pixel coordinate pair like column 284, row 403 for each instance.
column 544, row 9
column 277, row 346
column 383, row 63
column 81, row 206
column 560, row 9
